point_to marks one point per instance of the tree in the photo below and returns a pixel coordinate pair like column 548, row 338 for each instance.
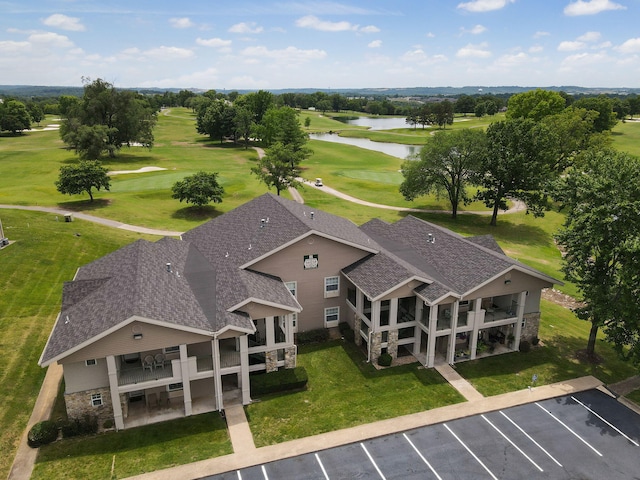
column 200, row 189
column 606, row 118
column 243, row 123
column 600, row 240
column 14, row 117
column 572, row 133
column 448, row 163
column 35, row 112
column 83, row 177
column 126, row 117
column 278, row 168
column 216, row 120
column 535, row 104
column 443, row 113
column 465, row 104
column 517, row 165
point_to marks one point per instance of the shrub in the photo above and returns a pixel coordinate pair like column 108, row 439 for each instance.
column 42, row 433
column 87, row 425
column 70, row 428
column 535, row 341
column 384, row 360
column 312, row 336
column 525, row 346
column 280, row 381
column 108, row 423
column 349, row 336
column 343, row 327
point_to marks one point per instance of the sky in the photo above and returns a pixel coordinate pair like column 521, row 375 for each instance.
column 267, row 44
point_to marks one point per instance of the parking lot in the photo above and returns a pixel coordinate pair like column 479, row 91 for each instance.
column 588, row 435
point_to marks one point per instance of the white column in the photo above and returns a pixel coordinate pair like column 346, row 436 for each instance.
column 452, row 336
column 375, row 316
column 186, row 379
column 417, row 332
column 476, row 326
column 112, row 371
column 393, row 312
column 271, row 338
column 217, row 377
column 433, row 328
column 522, row 298
column 245, row 384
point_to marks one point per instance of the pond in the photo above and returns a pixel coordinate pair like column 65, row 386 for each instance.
column 375, row 123
column 394, row 149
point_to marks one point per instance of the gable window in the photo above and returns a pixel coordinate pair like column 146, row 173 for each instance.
column 310, row 261
column 91, row 362
column 331, row 316
column 331, row 287
column 96, row 399
column 292, row 287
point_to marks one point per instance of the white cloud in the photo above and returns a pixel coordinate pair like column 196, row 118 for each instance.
column 168, row 53
column 478, row 29
column 571, row 46
column 590, row 37
column 184, row 22
column 375, row 44
column 430, row 35
column 370, row 29
column 63, row 22
column 51, row 39
column 287, row 55
column 245, row 28
column 313, row 22
column 536, row 49
column 201, row 79
column 583, row 59
column 484, row 5
column 513, row 60
column 591, row 7
column 9, row 47
column 213, row 42
column 475, row 51
column 418, row 56
column 630, row 46
column 540, row 34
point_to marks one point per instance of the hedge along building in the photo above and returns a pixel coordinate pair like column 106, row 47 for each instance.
column 158, row 330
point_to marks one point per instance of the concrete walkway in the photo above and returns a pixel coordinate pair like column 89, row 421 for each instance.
column 239, row 431
column 249, row 457
column 94, row 219
column 459, row 383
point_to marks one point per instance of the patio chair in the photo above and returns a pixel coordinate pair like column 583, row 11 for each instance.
column 147, row 363
column 158, row 361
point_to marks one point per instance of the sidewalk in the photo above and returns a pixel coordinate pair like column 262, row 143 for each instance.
column 248, row 455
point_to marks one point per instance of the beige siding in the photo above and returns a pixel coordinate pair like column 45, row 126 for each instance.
column 519, row 282
column 288, row 265
column 257, row 310
column 79, row 377
column 121, row 341
column 404, row 291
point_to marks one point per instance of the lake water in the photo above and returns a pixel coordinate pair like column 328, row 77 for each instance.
column 393, row 149
column 376, row 123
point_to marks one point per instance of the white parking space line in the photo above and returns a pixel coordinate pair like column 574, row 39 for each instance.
column 422, row 457
column 373, row 462
column 605, row 421
column 322, row 467
column 264, row 472
column 532, row 439
column 239, row 476
column 567, row 427
column 469, row 450
column 514, row 445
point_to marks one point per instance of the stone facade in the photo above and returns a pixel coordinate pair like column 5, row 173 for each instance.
column 392, row 344
column 357, row 324
column 124, row 403
column 290, row 357
column 271, row 360
column 531, row 326
column 79, row 404
column 376, row 346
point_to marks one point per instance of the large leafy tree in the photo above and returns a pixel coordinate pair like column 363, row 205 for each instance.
column 217, row 119
column 602, row 104
column 279, row 168
column 125, row 117
column 518, row 165
column 600, row 240
column 535, row 104
column 14, row 117
column 448, row 163
column 200, row 189
column 83, row 177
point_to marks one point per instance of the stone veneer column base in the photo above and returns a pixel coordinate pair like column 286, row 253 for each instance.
column 392, row 344
column 531, row 326
column 357, row 325
column 79, row 405
column 290, row 357
column 271, row 360
column 376, row 346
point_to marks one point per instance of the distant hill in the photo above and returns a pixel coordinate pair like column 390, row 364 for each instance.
column 36, row 91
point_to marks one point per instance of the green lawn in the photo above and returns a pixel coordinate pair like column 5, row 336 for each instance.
column 132, row 452
column 344, row 391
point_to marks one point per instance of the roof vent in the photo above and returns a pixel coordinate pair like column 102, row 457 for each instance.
column 431, row 238
column 312, row 215
column 169, row 267
column 263, row 222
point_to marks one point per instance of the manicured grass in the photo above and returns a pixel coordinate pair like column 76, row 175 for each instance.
column 344, row 391
column 136, row 451
column 634, row 397
column 45, row 254
column 562, row 335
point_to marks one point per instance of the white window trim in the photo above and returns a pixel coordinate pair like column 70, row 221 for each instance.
column 334, row 311
column 175, row 387
column 331, row 293
column 171, row 349
column 96, row 400
column 91, row 362
column 292, row 286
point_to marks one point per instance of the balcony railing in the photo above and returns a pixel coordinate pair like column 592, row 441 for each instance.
column 133, row 374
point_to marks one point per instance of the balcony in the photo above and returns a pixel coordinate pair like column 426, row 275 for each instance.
column 131, row 374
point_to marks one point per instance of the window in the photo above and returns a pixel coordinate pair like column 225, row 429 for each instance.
column 331, row 316
column 310, row 261
column 175, row 386
column 293, row 288
column 91, row 362
column 331, row 287
column 352, row 295
column 174, row 349
column 96, row 399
